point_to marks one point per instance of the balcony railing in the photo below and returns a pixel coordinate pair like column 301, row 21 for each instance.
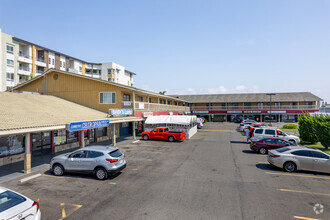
column 24, row 68
column 40, row 60
column 274, row 108
column 39, row 71
column 71, row 70
column 25, row 56
column 145, row 106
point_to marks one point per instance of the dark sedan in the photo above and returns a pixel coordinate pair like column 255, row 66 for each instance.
column 262, row 146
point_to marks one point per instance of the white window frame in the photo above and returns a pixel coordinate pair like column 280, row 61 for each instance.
column 10, row 65
column 111, row 98
column 10, row 51
column 11, row 75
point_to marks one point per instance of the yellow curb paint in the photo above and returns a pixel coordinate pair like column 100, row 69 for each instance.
column 300, row 217
column 63, row 210
column 298, row 175
column 297, row 191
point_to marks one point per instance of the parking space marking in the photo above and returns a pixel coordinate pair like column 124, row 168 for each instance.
column 133, row 169
column 29, row 178
column 141, row 159
column 112, row 183
column 300, row 217
column 220, row 130
column 137, row 141
column 298, row 191
column 263, row 162
column 298, row 175
column 62, row 205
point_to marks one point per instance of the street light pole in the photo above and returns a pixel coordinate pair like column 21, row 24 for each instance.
column 270, row 103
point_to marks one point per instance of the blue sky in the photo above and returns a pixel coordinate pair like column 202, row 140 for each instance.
column 191, row 46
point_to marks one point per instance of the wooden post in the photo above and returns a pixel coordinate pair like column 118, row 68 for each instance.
column 27, row 158
column 82, row 139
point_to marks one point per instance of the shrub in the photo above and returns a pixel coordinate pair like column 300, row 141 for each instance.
column 323, row 130
column 290, row 126
column 307, row 130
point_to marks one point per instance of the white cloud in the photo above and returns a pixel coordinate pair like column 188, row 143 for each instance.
column 189, row 91
column 217, row 90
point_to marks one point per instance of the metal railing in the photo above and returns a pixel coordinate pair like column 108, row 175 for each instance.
column 40, row 60
column 274, row 108
column 71, row 70
column 39, row 71
column 24, row 68
column 25, row 56
column 145, row 106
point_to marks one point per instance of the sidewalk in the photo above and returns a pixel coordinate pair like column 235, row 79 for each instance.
column 40, row 163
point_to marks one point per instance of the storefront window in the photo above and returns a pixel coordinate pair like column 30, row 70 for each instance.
column 72, row 136
column 60, row 137
column 100, row 132
column 12, row 144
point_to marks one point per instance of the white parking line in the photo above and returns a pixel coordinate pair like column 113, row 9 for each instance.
column 29, row 178
column 134, row 142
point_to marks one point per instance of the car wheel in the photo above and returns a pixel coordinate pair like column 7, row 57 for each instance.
column 290, row 166
column 171, row 139
column 292, row 141
column 58, row 170
column 145, row 137
column 101, row 174
column 263, row 150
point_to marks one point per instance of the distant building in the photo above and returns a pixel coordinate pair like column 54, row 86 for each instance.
column 21, row 60
column 229, row 107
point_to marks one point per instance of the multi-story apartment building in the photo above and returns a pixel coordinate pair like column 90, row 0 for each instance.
column 22, row 60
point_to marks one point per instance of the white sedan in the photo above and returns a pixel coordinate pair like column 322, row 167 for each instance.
column 16, row 206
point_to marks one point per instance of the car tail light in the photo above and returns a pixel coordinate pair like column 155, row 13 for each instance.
column 252, row 134
column 273, row 155
column 37, row 205
column 112, row 160
column 124, row 155
column 253, row 143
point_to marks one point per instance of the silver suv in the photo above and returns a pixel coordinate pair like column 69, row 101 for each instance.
column 101, row 161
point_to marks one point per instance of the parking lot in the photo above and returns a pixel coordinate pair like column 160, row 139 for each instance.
column 214, row 175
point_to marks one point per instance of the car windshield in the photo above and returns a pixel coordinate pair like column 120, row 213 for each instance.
column 10, row 199
column 283, row 149
column 115, row 153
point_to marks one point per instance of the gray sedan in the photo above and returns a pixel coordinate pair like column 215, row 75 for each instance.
column 299, row 158
column 98, row 160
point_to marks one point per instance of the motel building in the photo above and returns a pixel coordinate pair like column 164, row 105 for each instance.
column 60, row 110
column 276, row 107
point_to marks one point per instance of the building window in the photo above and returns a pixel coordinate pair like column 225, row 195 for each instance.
column 10, row 62
column 149, row 100
column 309, row 104
column 234, row 105
column 49, row 60
column 208, row 105
column 80, row 69
column 260, row 105
column 164, row 102
column 53, row 61
column 10, row 77
column 223, row 105
column 109, row 71
column 293, row 105
column 247, row 105
column 12, row 144
column 140, row 98
column 60, row 63
column 160, row 101
column 10, row 49
column 277, row 105
column 107, row 98
column 127, row 97
column 60, row 137
column 63, row 64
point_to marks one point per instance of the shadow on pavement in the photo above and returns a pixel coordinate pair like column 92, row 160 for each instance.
column 240, row 142
column 267, row 167
column 249, row 152
column 81, row 175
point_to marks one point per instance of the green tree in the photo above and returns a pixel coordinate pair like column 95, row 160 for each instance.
column 162, row 92
column 307, row 130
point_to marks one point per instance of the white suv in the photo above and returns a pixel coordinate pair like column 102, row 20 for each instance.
column 269, row 132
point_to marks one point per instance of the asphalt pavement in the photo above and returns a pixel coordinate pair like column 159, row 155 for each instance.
column 214, row 175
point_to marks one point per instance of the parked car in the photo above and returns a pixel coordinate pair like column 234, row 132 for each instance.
column 268, row 132
column 16, row 206
column 262, row 146
column 245, row 123
column 101, row 161
column 163, row 133
column 202, row 119
column 299, row 158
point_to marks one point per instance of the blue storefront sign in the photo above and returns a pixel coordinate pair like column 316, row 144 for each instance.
column 118, row 112
column 78, row 126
